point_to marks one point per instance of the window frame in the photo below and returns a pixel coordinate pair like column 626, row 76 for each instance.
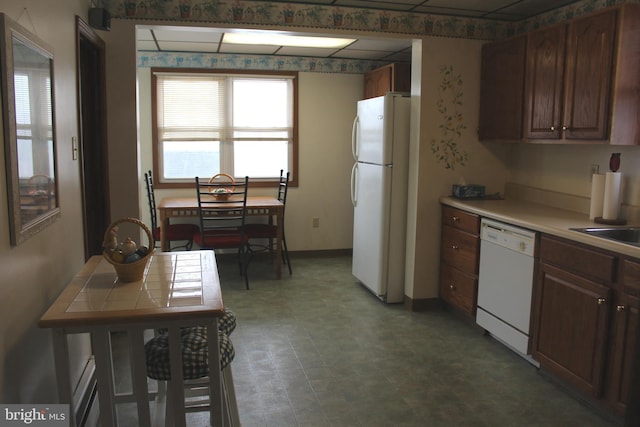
column 158, row 183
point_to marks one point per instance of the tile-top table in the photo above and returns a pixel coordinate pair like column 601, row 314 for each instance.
column 178, row 289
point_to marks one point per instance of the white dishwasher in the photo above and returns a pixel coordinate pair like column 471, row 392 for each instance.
column 505, row 284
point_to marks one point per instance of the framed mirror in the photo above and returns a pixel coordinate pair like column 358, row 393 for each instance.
column 28, row 131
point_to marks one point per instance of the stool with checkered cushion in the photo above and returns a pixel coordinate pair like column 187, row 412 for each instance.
column 195, row 368
column 226, row 323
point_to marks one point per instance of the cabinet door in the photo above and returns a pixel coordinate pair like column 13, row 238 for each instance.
column 377, row 82
column 570, row 327
column 590, row 46
column 502, row 89
column 544, row 86
column 626, row 320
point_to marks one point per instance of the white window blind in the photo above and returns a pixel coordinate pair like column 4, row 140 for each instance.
column 214, row 123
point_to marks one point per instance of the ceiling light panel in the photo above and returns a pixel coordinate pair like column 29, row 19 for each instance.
column 278, row 39
column 248, row 49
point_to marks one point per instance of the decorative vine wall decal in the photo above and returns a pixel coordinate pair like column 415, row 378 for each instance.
column 449, row 104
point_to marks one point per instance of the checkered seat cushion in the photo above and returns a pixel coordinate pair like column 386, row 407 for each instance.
column 226, row 323
column 194, row 354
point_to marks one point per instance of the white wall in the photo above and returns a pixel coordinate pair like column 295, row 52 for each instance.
column 327, row 105
column 34, row 273
column 566, row 169
column 485, row 165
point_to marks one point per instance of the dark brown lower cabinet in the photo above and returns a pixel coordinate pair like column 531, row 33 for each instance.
column 571, row 328
column 586, row 319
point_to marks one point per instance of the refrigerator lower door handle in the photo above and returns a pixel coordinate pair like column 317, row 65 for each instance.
column 354, row 170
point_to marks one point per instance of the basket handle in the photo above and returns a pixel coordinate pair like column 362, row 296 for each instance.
column 134, row 221
column 222, row 175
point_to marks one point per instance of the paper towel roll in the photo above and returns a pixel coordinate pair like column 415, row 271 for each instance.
column 611, row 207
column 597, row 195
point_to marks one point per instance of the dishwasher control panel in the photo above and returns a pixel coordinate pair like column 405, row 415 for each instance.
column 515, row 238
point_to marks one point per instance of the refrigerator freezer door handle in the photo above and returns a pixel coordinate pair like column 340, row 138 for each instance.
column 354, row 170
column 354, row 142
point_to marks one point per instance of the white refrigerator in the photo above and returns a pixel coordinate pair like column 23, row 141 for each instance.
column 380, row 146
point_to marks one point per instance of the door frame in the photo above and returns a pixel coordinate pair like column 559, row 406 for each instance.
column 92, row 124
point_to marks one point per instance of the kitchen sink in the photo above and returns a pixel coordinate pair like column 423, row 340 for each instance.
column 629, row 235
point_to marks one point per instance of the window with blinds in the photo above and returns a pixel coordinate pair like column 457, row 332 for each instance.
column 208, row 123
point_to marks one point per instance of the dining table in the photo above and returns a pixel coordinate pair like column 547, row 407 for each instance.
column 187, row 207
column 178, row 289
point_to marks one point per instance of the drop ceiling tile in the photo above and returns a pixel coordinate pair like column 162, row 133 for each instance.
column 144, row 34
column 448, row 11
column 306, row 51
column 180, row 46
column 477, row 5
column 313, row 2
column 380, row 44
column 146, row 45
column 189, row 35
column 398, row 6
column 361, row 54
column 534, row 7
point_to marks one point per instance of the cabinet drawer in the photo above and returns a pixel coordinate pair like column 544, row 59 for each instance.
column 460, row 249
column 579, row 259
column 631, row 277
column 460, row 219
column 458, row 289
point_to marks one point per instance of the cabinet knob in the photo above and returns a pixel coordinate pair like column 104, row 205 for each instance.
column 454, row 247
column 601, row 301
column 564, row 128
column 451, row 286
column 620, row 308
column 552, row 128
column 455, row 218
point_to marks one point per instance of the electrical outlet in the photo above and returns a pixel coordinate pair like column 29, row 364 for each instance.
column 594, row 169
column 316, row 222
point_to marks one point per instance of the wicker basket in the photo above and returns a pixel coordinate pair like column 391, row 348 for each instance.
column 132, row 271
column 218, row 177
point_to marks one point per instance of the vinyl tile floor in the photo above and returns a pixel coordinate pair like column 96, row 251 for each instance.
column 318, row 349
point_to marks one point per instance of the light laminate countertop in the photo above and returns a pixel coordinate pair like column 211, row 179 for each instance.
column 542, row 218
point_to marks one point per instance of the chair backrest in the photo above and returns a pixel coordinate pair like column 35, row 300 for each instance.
column 148, row 179
column 283, row 186
column 222, row 207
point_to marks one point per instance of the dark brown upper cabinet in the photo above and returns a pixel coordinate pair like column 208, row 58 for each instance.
column 502, row 89
column 569, row 79
column 580, row 85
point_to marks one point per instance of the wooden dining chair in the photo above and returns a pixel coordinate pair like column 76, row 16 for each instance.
column 269, row 231
column 173, row 232
column 222, row 209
